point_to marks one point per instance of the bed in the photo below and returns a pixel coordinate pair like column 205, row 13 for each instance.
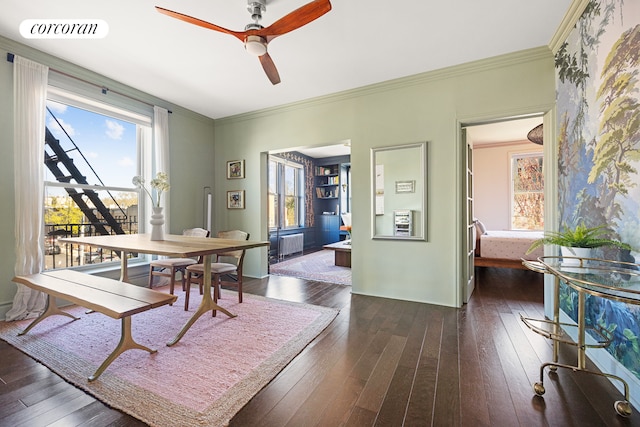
column 505, row 248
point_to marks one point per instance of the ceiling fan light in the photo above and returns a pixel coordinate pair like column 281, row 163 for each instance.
column 255, row 45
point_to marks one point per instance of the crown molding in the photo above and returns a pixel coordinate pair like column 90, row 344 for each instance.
column 501, row 61
column 525, row 143
column 566, row 25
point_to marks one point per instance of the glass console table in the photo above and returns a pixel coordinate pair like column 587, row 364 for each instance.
column 614, row 280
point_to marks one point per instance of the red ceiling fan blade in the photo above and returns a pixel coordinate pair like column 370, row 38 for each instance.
column 270, row 68
column 240, row 35
column 296, row 19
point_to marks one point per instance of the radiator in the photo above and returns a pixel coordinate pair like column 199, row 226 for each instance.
column 291, row 244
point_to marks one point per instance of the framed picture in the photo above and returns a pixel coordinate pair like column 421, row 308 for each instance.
column 235, row 199
column 235, row 169
column 405, row 186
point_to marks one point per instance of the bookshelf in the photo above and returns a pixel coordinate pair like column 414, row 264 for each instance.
column 327, row 203
column 327, row 182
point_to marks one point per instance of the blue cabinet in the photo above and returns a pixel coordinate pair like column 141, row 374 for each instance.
column 328, row 229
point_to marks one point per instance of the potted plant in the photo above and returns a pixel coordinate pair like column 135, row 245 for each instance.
column 579, row 241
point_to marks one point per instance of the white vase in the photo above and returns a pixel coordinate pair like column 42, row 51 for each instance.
column 157, row 224
column 574, row 252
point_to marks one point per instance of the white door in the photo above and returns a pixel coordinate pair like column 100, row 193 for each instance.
column 470, row 240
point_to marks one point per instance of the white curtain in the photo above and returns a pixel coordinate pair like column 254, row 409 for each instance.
column 30, row 95
column 161, row 146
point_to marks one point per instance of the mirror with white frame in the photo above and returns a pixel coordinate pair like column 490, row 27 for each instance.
column 399, row 189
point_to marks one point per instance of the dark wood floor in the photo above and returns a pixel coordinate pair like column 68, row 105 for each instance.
column 381, row 362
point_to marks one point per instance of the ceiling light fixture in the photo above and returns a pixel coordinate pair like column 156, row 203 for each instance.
column 535, row 135
column 255, row 45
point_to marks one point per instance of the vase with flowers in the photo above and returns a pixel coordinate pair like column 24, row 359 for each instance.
column 160, row 184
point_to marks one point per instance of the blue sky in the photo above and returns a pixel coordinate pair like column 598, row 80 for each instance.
column 108, row 144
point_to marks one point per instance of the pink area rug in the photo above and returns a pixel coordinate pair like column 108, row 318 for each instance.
column 203, row 380
column 318, row 266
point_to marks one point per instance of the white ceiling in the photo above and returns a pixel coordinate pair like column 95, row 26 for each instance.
column 511, row 130
column 326, row 151
column 356, row 44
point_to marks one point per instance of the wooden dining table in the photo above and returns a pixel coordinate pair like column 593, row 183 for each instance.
column 173, row 246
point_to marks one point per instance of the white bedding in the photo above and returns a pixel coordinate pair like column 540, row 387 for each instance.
column 510, row 244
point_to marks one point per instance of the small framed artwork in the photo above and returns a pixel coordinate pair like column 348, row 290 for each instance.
column 405, row 186
column 235, row 169
column 235, row 199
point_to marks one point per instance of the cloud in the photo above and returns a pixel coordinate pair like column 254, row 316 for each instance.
column 56, row 107
column 56, row 128
column 114, row 129
column 126, row 161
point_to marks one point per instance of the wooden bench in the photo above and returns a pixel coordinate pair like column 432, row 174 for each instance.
column 113, row 298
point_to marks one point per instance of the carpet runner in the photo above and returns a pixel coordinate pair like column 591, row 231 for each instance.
column 318, row 266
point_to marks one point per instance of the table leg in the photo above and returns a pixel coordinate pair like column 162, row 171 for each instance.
column 124, row 275
column 207, row 303
column 126, row 343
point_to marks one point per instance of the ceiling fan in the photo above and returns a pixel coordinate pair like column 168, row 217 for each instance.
column 256, row 37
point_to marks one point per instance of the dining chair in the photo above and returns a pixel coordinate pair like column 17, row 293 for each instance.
column 226, row 263
column 169, row 267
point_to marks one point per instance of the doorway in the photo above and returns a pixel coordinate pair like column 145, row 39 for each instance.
column 306, row 213
column 491, row 149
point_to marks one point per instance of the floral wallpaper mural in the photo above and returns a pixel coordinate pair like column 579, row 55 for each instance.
column 598, row 100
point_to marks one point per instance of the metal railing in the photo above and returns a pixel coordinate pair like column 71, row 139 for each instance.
column 65, row 255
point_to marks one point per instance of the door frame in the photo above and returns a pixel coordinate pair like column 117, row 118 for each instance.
column 550, row 172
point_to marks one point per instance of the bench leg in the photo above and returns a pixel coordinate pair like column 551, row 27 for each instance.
column 126, row 343
column 50, row 309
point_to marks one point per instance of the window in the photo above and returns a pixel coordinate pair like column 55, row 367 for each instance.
column 274, row 217
column 286, row 193
column 92, row 152
column 527, row 192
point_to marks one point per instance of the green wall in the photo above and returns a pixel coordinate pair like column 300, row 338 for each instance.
column 427, row 107
column 191, row 152
column 7, row 212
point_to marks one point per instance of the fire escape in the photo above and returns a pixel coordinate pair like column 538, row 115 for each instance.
column 87, row 200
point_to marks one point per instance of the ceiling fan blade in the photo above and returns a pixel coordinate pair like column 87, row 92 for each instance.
column 296, row 19
column 240, row 35
column 270, row 68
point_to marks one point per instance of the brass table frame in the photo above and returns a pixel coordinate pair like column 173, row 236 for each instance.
column 578, row 274
column 176, row 246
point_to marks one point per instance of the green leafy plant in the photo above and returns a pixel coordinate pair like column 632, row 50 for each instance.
column 579, row 237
